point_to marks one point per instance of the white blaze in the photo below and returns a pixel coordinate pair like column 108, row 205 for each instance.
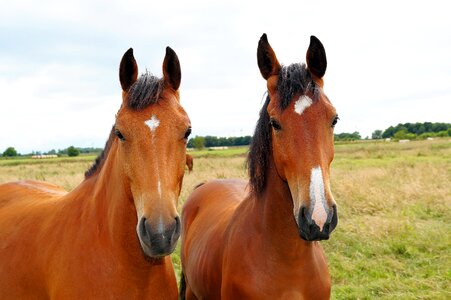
column 302, row 103
column 153, row 123
column 318, row 198
column 159, row 186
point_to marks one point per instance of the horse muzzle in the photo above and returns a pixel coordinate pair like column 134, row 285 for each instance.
column 158, row 240
column 310, row 231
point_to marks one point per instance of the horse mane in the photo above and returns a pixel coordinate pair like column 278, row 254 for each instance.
column 98, row 163
column 144, row 92
column 293, row 80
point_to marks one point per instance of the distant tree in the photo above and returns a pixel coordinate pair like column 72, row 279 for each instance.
column 210, row 141
column 389, row 132
column 403, row 134
column 90, row 150
column 443, row 133
column 418, row 129
column 51, row 152
column 376, row 135
column 72, row 151
column 344, row 136
column 421, row 129
column 199, row 142
column 214, row 141
column 10, row 152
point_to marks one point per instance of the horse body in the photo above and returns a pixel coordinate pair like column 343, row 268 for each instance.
column 259, row 239
column 110, row 237
column 205, row 246
column 221, row 265
column 61, row 252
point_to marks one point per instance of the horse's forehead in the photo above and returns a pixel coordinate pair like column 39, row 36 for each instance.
column 162, row 116
column 307, row 107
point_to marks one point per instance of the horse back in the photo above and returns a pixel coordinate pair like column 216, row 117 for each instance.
column 23, row 207
column 28, row 190
column 205, row 218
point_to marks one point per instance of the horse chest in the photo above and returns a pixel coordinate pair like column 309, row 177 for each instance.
column 109, row 276
column 270, row 277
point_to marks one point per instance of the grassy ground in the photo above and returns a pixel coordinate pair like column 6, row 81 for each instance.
column 393, row 239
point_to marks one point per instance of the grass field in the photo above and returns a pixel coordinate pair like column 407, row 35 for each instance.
column 393, row 239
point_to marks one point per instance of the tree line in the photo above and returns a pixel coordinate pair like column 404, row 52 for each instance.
column 69, row 151
column 416, row 130
column 401, row 131
column 208, row 141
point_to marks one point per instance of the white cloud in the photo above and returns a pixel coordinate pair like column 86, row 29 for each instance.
column 387, row 62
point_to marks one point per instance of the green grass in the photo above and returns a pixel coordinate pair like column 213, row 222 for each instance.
column 232, row 151
column 15, row 161
column 393, row 238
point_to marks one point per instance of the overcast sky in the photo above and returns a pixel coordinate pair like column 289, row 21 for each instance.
column 389, row 62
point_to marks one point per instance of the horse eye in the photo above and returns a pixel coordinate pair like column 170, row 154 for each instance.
column 334, row 122
column 275, row 124
column 187, row 133
column 119, row 135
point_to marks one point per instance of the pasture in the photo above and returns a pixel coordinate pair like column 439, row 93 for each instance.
column 394, row 204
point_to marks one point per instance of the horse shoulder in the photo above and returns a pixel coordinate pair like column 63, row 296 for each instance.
column 206, row 216
column 211, row 197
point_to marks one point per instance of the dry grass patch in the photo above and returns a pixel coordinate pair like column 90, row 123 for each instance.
column 394, row 203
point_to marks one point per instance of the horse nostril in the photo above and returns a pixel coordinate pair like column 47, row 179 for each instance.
column 142, row 227
column 177, row 223
column 145, row 228
column 176, row 233
column 303, row 224
column 334, row 221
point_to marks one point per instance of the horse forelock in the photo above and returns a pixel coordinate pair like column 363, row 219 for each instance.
column 293, row 80
column 145, row 91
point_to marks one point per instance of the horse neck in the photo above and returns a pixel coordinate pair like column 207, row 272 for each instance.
column 107, row 203
column 275, row 210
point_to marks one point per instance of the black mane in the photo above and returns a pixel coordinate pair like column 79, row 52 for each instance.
column 293, row 80
column 98, row 163
column 144, row 92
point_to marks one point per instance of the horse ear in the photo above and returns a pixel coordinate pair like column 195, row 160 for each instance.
column 128, row 70
column 316, row 57
column 171, row 69
column 267, row 60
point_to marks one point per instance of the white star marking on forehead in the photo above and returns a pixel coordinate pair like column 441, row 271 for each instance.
column 153, row 123
column 302, row 103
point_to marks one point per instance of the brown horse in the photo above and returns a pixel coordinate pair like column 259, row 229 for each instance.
column 189, row 162
column 260, row 240
column 110, row 237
